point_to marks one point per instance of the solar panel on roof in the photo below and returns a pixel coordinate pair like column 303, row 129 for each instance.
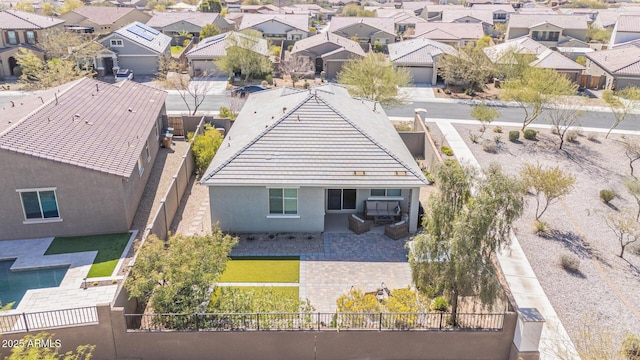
column 140, row 32
column 148, row 28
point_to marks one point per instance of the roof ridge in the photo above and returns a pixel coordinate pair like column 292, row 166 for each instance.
column 627, row 65
column 21, row 18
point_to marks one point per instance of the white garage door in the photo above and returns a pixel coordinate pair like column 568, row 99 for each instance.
column 202, row 67
column 421, row 75
column 143, row 65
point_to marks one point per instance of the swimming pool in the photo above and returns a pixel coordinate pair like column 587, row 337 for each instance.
column 14, row 284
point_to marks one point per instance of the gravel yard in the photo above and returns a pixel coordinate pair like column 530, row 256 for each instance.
column 606, row 291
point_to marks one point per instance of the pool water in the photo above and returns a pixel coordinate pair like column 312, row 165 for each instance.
column 14, row 284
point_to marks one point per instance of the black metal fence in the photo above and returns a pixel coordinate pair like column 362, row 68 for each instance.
column 313, row 321
column 25, row 322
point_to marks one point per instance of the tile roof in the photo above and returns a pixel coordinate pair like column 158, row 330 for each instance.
column 452, row 15
column 151, row 38
column 550, row 59
column 628, row 23
column 20, row 20
column 86, row 123
column 561, row 21
column 415, row 5
column 418, row 51
column 441, row 8
column 632, row 43
column 494, row 7
column 449, row 31
column 340, row 22
column 338, row 42
column 103, row 15
column 619, row 61
column 522, row 45
column 608, row 17
column 300, row 22
column 316, row 137
column 216, row 46
column 200, row 19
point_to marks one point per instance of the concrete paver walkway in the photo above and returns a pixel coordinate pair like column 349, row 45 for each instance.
column 555, row 342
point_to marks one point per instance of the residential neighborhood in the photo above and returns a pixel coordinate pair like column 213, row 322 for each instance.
column 335, row 179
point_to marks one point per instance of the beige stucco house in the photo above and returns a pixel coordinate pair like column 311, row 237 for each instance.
column 549, row 30
column 366, row 30
column 102, row 19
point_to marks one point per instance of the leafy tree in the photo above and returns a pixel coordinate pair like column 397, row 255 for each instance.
column 535, row 89
column 356, row 301
column 483, row 42
column 211, row 6
column 26, row 6
column 209, row 30
column 243, row 55
column 599, row 35
column 622, row 103
column 633, row 186
column 70, row 5
column 296, row 67
column 357, row 10
column 39, row 74
column 251, row 2
column 548, row 184
column 485, row 114
column 32, row 351
column 562, row 116
column 204, row 148
column 57, row 43
column 625, row 227
column 631, row 151
column 582, row 60
column 501, row 28
column 470, row 65
column 373, row 77
column 453, row 254
column 176, row 276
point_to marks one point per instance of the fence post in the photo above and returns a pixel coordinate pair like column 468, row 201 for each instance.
column 197, row 324
column 380, row 322
column 441, row 314
column 318, row 321
column 24, row 318
column 258, row 320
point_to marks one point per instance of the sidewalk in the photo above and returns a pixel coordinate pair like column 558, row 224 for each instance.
column 555, row 343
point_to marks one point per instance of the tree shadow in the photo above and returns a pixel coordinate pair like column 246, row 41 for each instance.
column 574, row 243
column 634, row 269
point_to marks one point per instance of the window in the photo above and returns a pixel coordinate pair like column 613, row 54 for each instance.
column 386, row 192
column 31, row 37
column 39, row 204
column 283, row 201
column 116, row 43
column 155, row 127
column 146, row 149
column 545, row 35
column 140, row 166
column 12, row 37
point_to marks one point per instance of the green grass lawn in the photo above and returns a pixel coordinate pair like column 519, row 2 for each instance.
column 256, row 299
column 109, row 247
column 262, row 269
column 176, row 50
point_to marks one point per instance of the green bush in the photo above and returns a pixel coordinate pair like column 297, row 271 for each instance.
column 289, row 48
column 276, row 51
column 541, row 227
column 514, row 136
column 490, row 147
column 440, row 304
column 305, row 85
column 474, row 138
column 269, row 79
column 470, row 92
column 607, row 195
column 17, row 71
column 570, row 263
column 204, row 147
column 446, row 150
column 631, row 347
column 497, row 129
column 571, row 136
column 530, row 134
column 226, row 113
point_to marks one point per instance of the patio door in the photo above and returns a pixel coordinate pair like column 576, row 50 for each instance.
column 341, row 199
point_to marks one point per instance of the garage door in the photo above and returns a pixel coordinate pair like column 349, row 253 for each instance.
column 143, row 65
column 202, row 67
column 421, row 75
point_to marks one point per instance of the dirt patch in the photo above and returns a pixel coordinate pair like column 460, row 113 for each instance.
column 489, row 92
column 608, row 288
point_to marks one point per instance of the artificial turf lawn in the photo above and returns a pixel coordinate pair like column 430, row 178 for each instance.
column 286, row 292
column 109, row 247
column 262, row 269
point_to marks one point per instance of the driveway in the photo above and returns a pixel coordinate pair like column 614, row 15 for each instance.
column 417, row 93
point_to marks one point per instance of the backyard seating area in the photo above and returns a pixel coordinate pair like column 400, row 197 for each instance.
column 397, row 231
column 358, row 225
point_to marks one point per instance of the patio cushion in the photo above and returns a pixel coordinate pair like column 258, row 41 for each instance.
column 357, row 218
column 399, row 223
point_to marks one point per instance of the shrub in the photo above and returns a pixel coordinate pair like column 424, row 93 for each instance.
column 592, row 136
column 289, row 48
column 530, row 134
column 631, row 347
column 470, row 92
column 17, row 71
column 447, row 91
column 440, row 304
column 474, row 138
column 490, row 147
column 186, row 42
column 540, row 227
column 269, row 79
column 204, row 147
column 607, row 195
column 514, row 136
column 446, row 150
column 226, row 113
column 497, row 129
column 497, row 139
column 306, row 84
column 276, row 50
column 570, row 263
column 571, row 136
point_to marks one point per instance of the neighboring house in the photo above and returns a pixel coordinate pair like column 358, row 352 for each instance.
column 202, row 58
column 589, row 13
column 326, row 53
column 259, row 9
column 21, row 30
column 137, row 47
column 484, row 17
column 536, row 10
column 454, row 34
column 420, row 57
column 433, row 12
column 277, row 27
column 316, row 11
column 272, row 172
column 103, row 19
column 606, row 18
column 554, row 60
column 627, row 29
column 618, row 68
column 366, row 30
column 80, row 156
column 174, row 23
column 415, row 6
column 500, row 12
column 404, row 20
column 550, row 30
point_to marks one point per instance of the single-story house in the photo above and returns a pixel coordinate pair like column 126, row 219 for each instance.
column 326, row 52
column 618, row 68
column 467, row 15
column 294, row 155
column 174, row 23
column 202, row 57
column 501, row 12
column 21, row 30
column 433, row 12
column 550, row 30
column 627, row 29
column 80, row 156
column 404, row 20
column 454, row 34
column 366, row 30
column 102, row 19
column 136, row 47
column 259, row 9
column 550, row 59
column 277, row 27
column 420, row 57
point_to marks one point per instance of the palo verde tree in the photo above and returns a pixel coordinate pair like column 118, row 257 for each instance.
column 622, row 103
column 562, row 116
column 631, row 151
column 469, row 65
column 469, row 218
column 535, row 89
column 547, row 184
column 485, row 114
column 633, row 186
column 625, row 227
column 373, row 77
column 41, row 74
column 176, row 276
column 209, row 30
column 210, row 6
column 245, row 55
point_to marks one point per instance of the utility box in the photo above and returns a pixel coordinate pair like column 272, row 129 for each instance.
column 167, row 137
